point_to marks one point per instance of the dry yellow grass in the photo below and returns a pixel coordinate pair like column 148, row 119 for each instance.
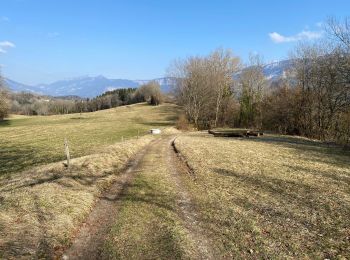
column 149, row 225
column 270, row 197
column 40, row 208
column 31, row 141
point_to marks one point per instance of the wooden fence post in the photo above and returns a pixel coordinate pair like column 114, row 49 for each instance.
column 66, row 151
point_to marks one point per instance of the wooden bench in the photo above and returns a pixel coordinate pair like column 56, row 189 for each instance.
column 235, row 133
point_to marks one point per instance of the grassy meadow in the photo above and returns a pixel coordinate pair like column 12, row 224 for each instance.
column 37, row 140
column 42, row 203
column 270, row 197
column 41, row 208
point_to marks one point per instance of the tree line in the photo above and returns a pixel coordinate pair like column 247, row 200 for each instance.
column 311, row 99
column 33, row 104
column 4, row 103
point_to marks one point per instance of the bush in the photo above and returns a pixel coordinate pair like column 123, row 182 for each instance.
column 149, row 92
column 182, row 123
column 156, row 99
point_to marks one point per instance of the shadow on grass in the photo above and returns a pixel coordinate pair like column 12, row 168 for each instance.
column 149, row 195
column 144, row 199
column 5, row 122
column 163, row 124
column 310, row 150
column 285, row 208
column 57, row 176
column 292, row 192
column 172, row 118
column 18, row 246
column 80, row 118
column 334, row 177
column 14, row 158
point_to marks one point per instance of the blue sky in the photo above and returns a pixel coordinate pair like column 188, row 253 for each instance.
column 43, row 41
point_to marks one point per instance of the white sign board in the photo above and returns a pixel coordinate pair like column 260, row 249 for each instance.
column 155, row 131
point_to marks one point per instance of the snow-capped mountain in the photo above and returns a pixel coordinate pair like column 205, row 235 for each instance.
column 272, row 71
column 85, row 86
column 93, row 86
column 276, row 70
column 82, row 86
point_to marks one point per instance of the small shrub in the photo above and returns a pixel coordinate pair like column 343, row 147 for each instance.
column 182, row 123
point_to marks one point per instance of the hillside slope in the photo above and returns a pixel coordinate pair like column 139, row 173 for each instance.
column 29, row 141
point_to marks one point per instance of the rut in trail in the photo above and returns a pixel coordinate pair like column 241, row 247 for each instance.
column 176, row 167
column 91, row 237
column 92, row 234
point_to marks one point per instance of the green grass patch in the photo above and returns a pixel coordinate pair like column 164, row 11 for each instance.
column 30, row 141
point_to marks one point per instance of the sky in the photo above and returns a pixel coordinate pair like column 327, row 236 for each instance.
column 44, row 41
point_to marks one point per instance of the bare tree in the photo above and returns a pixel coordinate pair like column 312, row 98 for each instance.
column 149, row 92
column 322, row 74
column 252, row 84
column 222, row 65
column 202, row 83
column 281, row 108
column 339, row 30
column 190, row 86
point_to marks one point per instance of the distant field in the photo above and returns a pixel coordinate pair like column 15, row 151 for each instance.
column 30, row 141
column 270, row 197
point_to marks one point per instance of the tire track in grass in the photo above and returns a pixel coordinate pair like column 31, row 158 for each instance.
column 157, row 160
column 177, row 167
column 92, row 234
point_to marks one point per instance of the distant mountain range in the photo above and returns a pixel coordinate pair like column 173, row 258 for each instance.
column 94, row 86
column 276, row 70
column 82, row 86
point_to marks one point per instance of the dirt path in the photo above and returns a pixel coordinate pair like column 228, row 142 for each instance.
column 177, row 167
column 87, row 244
column 91, row 237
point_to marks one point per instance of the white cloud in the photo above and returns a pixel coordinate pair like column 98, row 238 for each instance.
column 5, row 45
column 303, row 35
